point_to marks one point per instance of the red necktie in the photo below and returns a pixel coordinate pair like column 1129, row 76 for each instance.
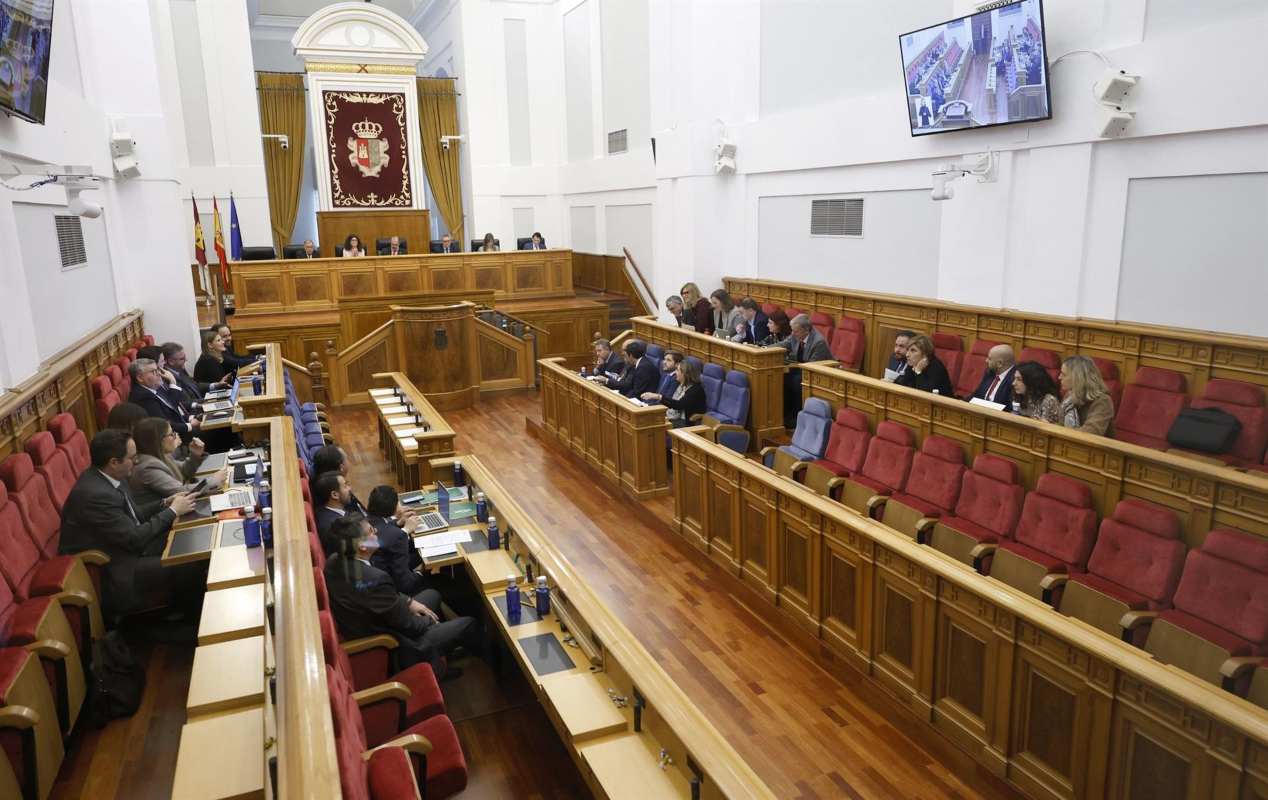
column 991, row 391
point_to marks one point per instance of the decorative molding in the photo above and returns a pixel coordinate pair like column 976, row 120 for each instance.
column 358, row 32
column 360, row 69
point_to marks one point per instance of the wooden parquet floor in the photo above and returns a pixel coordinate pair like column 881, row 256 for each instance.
column 810, row 726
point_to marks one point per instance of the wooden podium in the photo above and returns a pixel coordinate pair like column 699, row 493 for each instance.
column 411, row 224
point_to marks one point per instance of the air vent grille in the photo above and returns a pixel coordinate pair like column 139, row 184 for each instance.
column 70, row 240
column 836, row 217
column 618, row 141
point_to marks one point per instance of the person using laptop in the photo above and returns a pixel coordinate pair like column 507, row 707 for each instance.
column 365, row 602
column 159, row 474
column 331, row 496
column 394, row 525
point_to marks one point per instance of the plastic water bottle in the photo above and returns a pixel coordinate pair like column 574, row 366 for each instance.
column 583, row 372
column 266, row 526
column 251, row 528
column 935, row 391
column 459, row 477
column 257, row 384
column 543, row 596
column 1016, row 406
column 494, row 538
column 512, row 600
column 482, row 508
column 266, row 494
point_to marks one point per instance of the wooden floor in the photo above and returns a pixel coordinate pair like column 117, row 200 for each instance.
column 809, row 725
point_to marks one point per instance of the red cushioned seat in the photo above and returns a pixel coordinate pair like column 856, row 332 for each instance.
column 1246, row 402
column 932, row 489
column 28, row 490
column 793, row 312
column 822, row 323
column 1055, row 534
column 53, row 465
column 25, row 621
column 1049, row 562
column 386, row 775
column 847, row 447
column 848, row 342
column 71, row 440
column 1109, row 374
column 34, row 754
column 1151, row 403
column 987, row 511
column 950, row 351
column 973, row 368
column 105, row 397
column 885, row 468
column 1050, row 360
column 769, row 308
column 446, row 765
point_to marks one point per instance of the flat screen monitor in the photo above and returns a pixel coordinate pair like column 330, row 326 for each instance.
column 985, row 69
column 26, row 35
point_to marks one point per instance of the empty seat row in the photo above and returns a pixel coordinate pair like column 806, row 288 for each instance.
column 113, row 385
column 1128, row 575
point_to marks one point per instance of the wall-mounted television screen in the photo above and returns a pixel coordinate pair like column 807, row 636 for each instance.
column 26, row 35
column 985, row 69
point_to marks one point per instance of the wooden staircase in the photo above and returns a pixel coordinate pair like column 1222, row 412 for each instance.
column 620, row 309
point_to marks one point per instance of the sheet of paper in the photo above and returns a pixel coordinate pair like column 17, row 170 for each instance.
column 442, row 539
column 429, row 553
column 400, row 419
column 977, row 401
column 891, row 375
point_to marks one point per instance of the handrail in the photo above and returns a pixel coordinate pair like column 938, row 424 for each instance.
column 649, row 300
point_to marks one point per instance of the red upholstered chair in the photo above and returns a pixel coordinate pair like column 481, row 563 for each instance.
column 119, row 377
column 1218, row 628
column 1050, row 360
column 769, row 308
column 1109, row 374
column 1132, row 573
column 29, row 491
column 71, row 440
column 848, row 343
column 432, row 747
column 847, row 447
column 370, row 657
column 416, row 698
column 54, row 465
column 1151, row 403
column 1246, row 402
column 949, row 350
column 35, row 752
column 104, row 398
column 885, row 469
column 973, row 368
column 792, row 312
column 39, row 624
column 822, row 323
column 986, row 513
column 932, row 489
column 1054, row 536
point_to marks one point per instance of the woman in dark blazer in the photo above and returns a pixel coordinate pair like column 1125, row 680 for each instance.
column 926, row 372
column 686, row 401
column 211, row 366
column 696, row 310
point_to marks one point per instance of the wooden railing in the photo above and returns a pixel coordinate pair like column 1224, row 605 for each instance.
column 507, row 361
column 1199, row 355
column 604, row 273
column 1052, row 706
column 410, row 454
column 642, row 285
column 1205, row 496
column 270, row 403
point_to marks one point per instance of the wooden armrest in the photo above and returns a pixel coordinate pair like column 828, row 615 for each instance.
column 1234, row 668
column 1048, row 585
column 874, row 503
column 766, row 451
column 49, row 648
column 797, row 468
column 707, row 420
column 411, row 743
column 924, row 527
column 75, row 597
column 1135, row 619
column 93, row 557
column 979, row 553
column 369, row 643
column 834, row 482
column 19, row 717
column 392, row 690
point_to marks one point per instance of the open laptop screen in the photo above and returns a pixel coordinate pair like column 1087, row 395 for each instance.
column 442, row 500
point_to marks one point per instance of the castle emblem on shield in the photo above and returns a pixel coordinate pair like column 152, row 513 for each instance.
column 368, row 150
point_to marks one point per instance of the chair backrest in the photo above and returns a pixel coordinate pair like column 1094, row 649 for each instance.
column 822, row 323
column 950, row 351
column 103, row 406
column 973, row 368
column 1151, row 402
column 1050, row 360
column 1139, row 548
column 889, row 455
column 71, row 439
column 54, row 464
column 848, row 342
column 102, row 385
column 991, row 495
column 656, row 353
column 711, row 378
column 476, row 244
column 350, row 741
column 697, row 362
column 319, row 588
column 733, row 403
column 1246, row 402
column 29, row 492
column 813, row 421
column 793, row 312
column 1225, row 583
column 333, row 652
column 384, row 244
column 848, row 439
column 1058, row 519
column 1109, row 374
column 19, row 557
column 769, row 308
column 937, row 472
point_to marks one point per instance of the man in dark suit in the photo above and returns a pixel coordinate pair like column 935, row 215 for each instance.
column 605, row 361
column 332, row 458
column 536, row 243
column 641, row 373
column 331, row 496
column 754, row 328
column 365, row 602
column 174, row 361
column 396, row 555
column 150, row 393
column 310, row 250
column 447, row 244
column 898, row 359
column 393, row 248
column 997, row 383
column 99, row 515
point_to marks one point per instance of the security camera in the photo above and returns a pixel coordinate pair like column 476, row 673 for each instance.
column 444, row 145
column 942, row 188
column 285, row 143
column 283, row 140
column 81, row 207
column 981, row 165
column 445, row 141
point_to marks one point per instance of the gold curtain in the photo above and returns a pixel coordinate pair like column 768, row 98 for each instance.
column 438, row 116
column 282, row 101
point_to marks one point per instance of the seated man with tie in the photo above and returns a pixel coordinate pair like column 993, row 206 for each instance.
column 997, row 383
column 805, row 344
column 332, row 458
column 536, row 243
column 897, row 363
column 447, row 244
column 641, row 373
column 310, row 250
column 393, row 247
column 754, row 328
column 99, row 515
column 607, row 362
column 152, row 393
column 174, row 361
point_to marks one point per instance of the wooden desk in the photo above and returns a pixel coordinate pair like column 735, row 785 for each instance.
column 407, row 447
column 1049, row 704
column 232, row 614
column 220, row 756
column 236, row 565
column 227, row 676
column 623, row 441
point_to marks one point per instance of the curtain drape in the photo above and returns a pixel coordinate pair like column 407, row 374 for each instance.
column 282, row 103
column 438, row 116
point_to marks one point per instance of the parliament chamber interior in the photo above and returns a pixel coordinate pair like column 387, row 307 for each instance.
column 633, row 399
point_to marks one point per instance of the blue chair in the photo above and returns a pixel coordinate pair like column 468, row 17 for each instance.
column 656, row 353
column 699, row 364
column 726, row 422
column 711, row 379
column 810, row 439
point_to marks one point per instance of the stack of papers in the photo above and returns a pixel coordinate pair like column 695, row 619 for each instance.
column 438, row 545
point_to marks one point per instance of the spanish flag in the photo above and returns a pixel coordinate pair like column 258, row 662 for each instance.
column 220, row 247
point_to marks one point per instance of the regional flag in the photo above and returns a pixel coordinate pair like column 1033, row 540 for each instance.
column 200, row 249
column 235, row 234
column 219, row 240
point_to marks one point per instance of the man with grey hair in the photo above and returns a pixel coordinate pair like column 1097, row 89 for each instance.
column 310, row 250
column 806, row 343
column 607, row 362
column 150, row 393
column 997, row 382
column 673, row 304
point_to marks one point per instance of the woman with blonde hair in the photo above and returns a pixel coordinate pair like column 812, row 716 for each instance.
column 211, row 366
column 925, row 372
column 696, row 310
column 1087, row 405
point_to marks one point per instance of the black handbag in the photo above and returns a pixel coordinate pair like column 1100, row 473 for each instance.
column 1207, row 430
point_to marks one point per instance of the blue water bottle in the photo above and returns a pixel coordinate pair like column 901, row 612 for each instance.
column 265, row 498
column 459, row 477
column 266, row 529
column 494, row 541
column 512, row 600
column 251, row 528
column 482, row 508
column 543, row 596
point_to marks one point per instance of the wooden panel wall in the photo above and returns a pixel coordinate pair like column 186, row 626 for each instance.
column 1052, row 706
column 1198, row 355
column 603, row 273
column 505, row 361
column 563, row 329
column 1205, row 496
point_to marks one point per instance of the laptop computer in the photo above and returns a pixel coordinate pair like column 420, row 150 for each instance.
column 234, row 498
column 438, row 520
column 224, row 408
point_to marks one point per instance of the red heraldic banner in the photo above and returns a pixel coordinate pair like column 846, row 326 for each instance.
column 367, row 144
